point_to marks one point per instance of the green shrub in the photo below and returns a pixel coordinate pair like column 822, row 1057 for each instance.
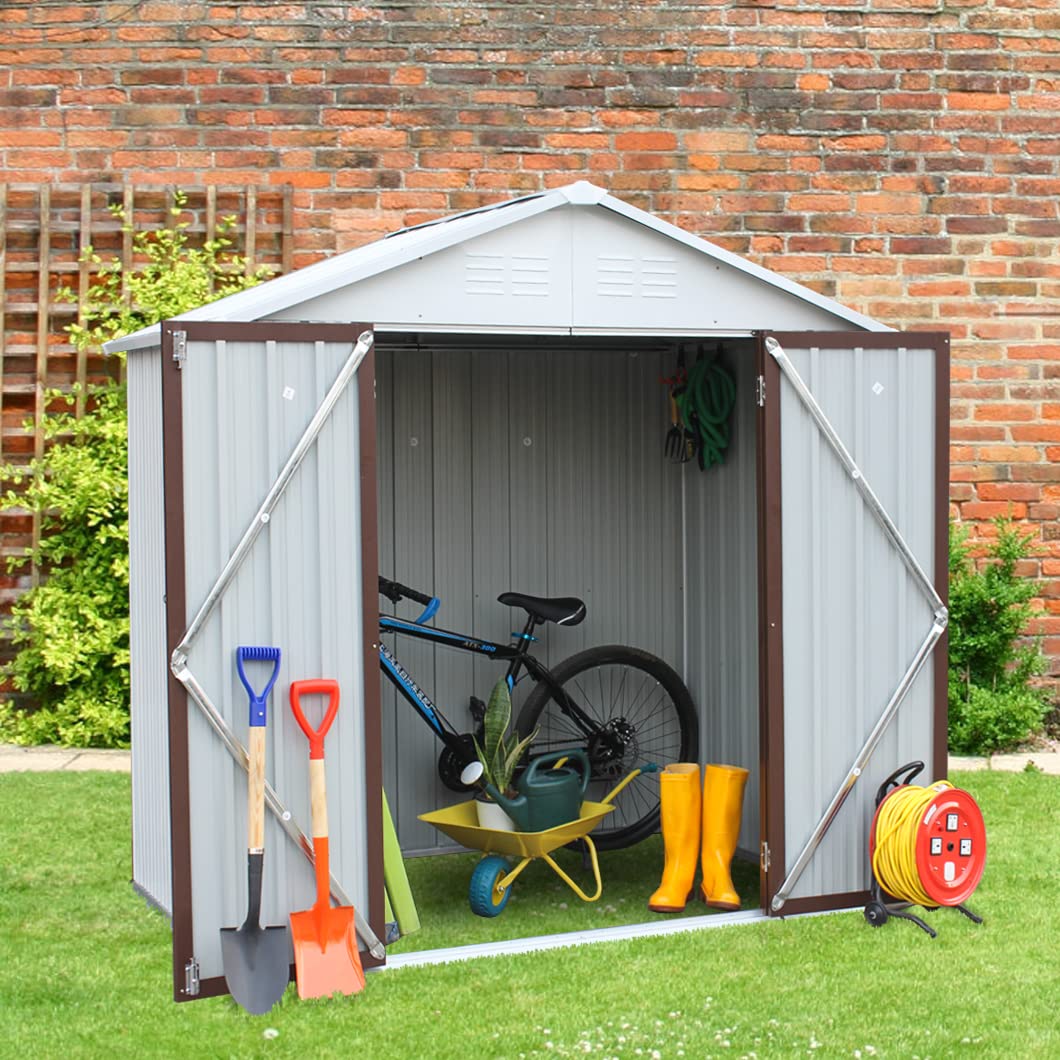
column 71, row 631
column 992, row 704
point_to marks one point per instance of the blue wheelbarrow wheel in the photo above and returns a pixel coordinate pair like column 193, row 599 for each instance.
column 482, row 894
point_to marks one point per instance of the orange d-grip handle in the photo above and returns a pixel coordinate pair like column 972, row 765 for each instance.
column 324, row 687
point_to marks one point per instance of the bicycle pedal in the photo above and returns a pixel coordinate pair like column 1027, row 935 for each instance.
column 478, row 710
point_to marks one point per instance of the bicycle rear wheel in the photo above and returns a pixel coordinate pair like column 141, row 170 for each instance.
column 638, row 711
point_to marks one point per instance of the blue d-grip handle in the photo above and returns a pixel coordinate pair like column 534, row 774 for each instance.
column 429, row 611
column 257, row 702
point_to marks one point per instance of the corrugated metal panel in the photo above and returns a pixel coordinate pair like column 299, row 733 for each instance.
column 853, row 617
column 537, row 468
column 723, row 595
column 152, row 863
column 246, row 403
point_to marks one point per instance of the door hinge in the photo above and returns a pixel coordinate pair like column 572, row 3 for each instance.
column 180, row 348
column 763, row 857
column 760, row 391
column 191, row 978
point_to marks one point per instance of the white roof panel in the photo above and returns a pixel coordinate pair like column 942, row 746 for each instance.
column 488, row 265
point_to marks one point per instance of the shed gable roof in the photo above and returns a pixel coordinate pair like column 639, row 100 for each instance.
column 339, row 287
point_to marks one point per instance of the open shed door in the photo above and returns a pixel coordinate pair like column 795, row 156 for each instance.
column 854, row 477
column 270, row 527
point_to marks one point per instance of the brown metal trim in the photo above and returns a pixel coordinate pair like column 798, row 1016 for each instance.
column 263, row 330
column 771, row 628
column 825, row 903
column 373, row 725
column 176, row 622
column 942, row 548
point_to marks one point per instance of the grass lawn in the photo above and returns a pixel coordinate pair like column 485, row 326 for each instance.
column 85, row 966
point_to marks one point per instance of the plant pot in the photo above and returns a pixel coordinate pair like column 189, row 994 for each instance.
column 491, row 816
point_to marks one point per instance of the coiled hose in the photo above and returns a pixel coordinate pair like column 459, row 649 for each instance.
column 894, row 854
column 706, row 402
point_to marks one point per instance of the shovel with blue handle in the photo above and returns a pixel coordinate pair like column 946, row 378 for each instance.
column 256, row 960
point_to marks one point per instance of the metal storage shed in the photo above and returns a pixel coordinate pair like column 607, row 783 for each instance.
column 496, row 423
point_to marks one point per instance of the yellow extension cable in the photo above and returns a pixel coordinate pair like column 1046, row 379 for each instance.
column 894, row 855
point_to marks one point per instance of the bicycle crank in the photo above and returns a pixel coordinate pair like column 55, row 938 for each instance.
column 455, row 755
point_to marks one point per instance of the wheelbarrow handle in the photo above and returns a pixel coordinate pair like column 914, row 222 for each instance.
column 651, row 767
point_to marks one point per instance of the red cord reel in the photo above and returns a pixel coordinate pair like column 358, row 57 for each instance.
column 951, row 847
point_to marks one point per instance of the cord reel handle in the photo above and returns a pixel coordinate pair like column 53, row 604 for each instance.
column 912, row 768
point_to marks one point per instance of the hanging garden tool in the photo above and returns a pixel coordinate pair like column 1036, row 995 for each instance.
column 928, row 848
column 325, row 942
column 256, row 960
column 678, row 446
column 706, row 402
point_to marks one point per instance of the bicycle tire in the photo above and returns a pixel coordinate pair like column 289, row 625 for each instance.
column 644, row 713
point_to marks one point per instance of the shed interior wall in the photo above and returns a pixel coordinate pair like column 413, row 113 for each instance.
column 537, row 465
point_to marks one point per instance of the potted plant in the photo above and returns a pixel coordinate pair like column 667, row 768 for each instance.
column 499, row 753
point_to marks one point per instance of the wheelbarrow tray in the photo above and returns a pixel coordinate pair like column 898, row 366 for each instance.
column 460, row 822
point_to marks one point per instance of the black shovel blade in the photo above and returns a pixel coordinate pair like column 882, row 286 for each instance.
column 257, row 965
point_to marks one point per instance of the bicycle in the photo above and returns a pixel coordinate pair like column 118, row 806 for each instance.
column 623, row 706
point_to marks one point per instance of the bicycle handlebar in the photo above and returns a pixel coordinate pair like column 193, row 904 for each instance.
column 396, row 592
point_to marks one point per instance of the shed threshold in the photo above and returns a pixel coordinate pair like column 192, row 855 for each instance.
column 570, row 938
column 510, row 947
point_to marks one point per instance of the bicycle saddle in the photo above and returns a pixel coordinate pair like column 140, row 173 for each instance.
column 563, row 610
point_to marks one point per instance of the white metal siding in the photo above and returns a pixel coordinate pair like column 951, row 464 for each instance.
column 537, row 469
column 722, row 591
column 853, row 617
column 246, row 404
column 152, row 861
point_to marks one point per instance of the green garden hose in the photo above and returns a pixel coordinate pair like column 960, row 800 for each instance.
column 706, row 402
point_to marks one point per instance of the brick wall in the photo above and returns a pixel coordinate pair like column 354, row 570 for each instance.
column 898, row 155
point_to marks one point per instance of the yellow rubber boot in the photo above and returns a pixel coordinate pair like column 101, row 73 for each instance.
column 722, row 807
column 679, row 810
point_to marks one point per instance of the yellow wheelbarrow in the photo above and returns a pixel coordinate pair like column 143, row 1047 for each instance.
column 492, row 880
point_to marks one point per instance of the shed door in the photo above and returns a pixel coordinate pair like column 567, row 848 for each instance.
column 270, row 525
column 854, row 539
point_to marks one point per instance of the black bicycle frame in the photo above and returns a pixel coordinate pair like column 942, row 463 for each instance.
column 517, row 655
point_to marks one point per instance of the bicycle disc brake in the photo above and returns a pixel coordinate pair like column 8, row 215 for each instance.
column 613, row 750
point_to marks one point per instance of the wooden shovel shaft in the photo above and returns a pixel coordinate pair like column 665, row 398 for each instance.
column 318, row 798
column 256, row 791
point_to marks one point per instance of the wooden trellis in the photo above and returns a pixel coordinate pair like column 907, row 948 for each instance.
column 44, row 230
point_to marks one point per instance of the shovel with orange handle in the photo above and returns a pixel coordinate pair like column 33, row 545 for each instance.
column 325, row 940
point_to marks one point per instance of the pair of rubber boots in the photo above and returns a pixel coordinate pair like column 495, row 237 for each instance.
column 682, row 808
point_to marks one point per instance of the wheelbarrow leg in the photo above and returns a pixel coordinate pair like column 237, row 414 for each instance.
column 570, row 883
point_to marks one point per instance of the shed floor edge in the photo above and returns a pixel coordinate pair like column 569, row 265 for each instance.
column 539, row 943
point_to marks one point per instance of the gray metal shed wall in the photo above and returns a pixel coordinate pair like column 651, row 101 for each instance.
column 853, row 618
column 245, row 406
column 722, row 595
column 537, row 468
column 152, row 860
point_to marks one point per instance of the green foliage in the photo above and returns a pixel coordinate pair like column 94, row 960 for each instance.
column 71, row 632
column 500, row 751
column 991, row 702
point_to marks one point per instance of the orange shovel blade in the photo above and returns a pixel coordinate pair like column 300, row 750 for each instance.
column 325, row 952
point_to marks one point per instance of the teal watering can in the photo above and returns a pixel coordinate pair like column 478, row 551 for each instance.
column 547, row 797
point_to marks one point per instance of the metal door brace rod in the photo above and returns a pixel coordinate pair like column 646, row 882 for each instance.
column 938, row 626
column 179, row 660
column 264, row 513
